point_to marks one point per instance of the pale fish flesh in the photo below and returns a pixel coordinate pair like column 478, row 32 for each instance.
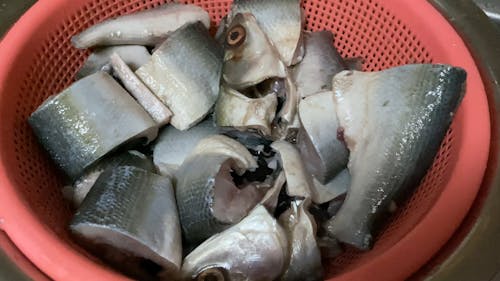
column 147, row 28
column 131, row 213
column 172, row 146
column 320, row 138
column 321, row 62
column 73, row 126
column 305, row 257
column 254, row 249
column 249, row 57
column 394, row 121
column 281, row 20
column 155, row 108
column 134, row 56
column 238, row 111
column 188, row 52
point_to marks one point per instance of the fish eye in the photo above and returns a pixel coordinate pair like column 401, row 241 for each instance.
column 236, row 36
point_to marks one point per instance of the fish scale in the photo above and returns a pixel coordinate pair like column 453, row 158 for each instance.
column 197, row 192
column 79, row 133
column 133, row 211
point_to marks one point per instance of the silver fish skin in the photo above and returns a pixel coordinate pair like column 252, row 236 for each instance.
column 235, row 110
column 281, row 20
column 133, row 55
column 323, row 153
column 155, row 108
column 74, row 126
column 147, row 28
column 305, row 256
column 394, row 122
column 208, row 200
column 134, row 213
column 254, row 249
column 188, row 52
column 172, row 146
column 321, row 62
column 249, row 56
column 81, row 187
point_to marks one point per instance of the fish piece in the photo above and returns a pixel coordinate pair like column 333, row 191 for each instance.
column 299, row 183
column 172, row 146
column 305, row 256
column 88, row 120
column 223, row 145
column 282, row 22
column 188, row 52
column 323, row 150
column 335, row 188
column 132, row 212
column 254, row 249
column 270, row 200
column 155, row 108
column 134, row 56
column 249, row 57
column 208, row 200
column 287, row 121
column 81, row 187
column 235, row 110
column 147, row 28
column 394, row 121
column 321, row 62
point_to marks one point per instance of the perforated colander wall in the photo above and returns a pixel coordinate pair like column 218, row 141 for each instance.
column 363, row 28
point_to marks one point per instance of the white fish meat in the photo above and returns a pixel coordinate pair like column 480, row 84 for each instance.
column 155, row 108
column 235, row 110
